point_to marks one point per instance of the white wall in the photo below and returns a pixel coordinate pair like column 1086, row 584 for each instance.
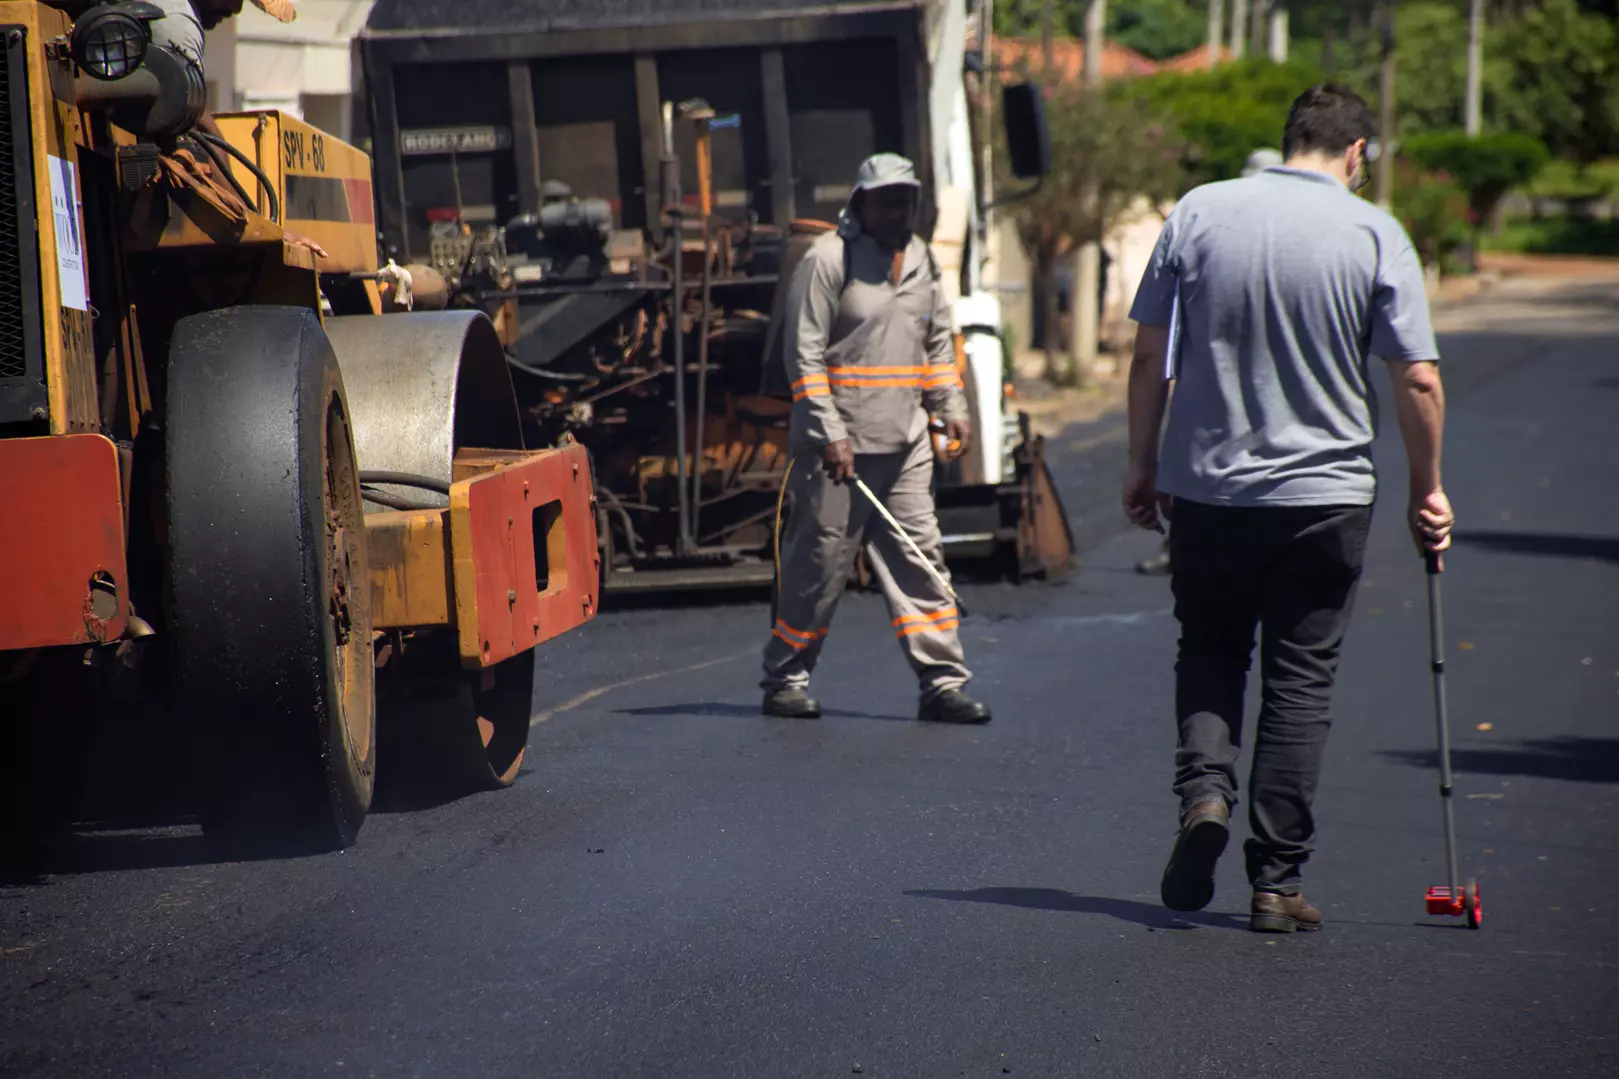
column 302, row 67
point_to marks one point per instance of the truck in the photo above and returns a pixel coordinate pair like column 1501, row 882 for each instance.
column 625, row 189
column 252, row 499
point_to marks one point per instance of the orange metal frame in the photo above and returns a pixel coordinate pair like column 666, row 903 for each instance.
column 62, row 527
column 522, row 552
column 511, row 563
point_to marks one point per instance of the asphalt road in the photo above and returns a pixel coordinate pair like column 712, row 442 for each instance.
column 680, row 887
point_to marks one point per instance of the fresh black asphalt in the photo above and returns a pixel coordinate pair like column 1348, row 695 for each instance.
column 680, row 887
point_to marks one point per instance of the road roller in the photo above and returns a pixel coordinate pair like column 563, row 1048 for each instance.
column 252, row 498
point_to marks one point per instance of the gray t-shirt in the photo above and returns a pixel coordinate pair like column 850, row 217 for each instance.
column 1286, row 283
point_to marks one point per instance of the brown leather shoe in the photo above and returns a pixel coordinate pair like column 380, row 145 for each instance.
column 1188, row 882
column 1279, row 913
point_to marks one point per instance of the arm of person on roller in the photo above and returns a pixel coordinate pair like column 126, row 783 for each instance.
column 812, row 305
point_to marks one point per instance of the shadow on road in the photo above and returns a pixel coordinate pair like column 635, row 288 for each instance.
column 1553, row 544
column 97, row 849
column 724, row 708
column 1566, row 757
column 1149, row 915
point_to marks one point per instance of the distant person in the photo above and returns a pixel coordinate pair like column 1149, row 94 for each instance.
column 1257, row 161
column 869, row 353
column 1286, row 284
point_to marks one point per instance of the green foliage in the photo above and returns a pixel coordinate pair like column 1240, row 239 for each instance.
column 1433, row 209
column 1158, row 28
column 1485, row 167
column 1106, row 152
column 1575, row 182
column 1564, row 235
column 1560, row 79
column 1222, row 115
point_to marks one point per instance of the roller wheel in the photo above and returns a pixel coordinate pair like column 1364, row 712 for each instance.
column 1475, row 906
column 270, row 605
column 446, row 733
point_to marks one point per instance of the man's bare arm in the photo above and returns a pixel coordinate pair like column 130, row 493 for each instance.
column 1149, row 393
column 1419, row 402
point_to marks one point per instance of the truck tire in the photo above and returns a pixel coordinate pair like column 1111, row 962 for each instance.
column 268, row 589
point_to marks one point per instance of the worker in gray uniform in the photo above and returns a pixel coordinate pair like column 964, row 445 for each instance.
column 869, row 351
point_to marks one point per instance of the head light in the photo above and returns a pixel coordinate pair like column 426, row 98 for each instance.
column 109, row 43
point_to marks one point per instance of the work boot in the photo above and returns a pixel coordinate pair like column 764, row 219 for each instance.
column 1283, row 913
column 1188, row 882
column 953, row 707
column 794, row 704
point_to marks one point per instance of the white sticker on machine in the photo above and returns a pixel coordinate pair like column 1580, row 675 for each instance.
column 69, row 233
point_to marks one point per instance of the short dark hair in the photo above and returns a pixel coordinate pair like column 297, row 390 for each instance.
column 1326, row 119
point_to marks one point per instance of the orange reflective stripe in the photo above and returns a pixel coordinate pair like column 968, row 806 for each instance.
column 930, row 628
column 882, row 370
column 797, row 639
column 947, row 613
column 811, row 385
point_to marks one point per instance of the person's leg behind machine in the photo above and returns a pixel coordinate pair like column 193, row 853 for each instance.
column 924, row 614
column 1306, row 598
column 818, row 544
column 1215, row 554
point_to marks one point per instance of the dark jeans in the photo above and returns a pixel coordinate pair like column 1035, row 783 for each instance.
column 1292, row 572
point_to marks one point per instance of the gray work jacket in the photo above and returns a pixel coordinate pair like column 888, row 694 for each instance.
column 868, row 359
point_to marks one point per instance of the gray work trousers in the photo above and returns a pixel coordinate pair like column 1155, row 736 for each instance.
column 826, row 527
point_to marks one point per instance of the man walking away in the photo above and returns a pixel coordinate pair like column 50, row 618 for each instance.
column 1287, row 282
column 869, row 352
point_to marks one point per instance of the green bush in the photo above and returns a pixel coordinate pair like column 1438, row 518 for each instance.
column 1485, row 166
column 1433, row 210
column 1225, row 114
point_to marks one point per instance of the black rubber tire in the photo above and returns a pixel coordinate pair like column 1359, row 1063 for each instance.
column 446, row 733
column 265, row 528
column 1475, row 908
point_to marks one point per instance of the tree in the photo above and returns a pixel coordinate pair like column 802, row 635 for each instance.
column 1157, row 28
column 1485, row 166
column 1107, row 152
column 1560, row 81
column 1222, row 115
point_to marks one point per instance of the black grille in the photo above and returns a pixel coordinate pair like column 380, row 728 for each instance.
column 22, row 360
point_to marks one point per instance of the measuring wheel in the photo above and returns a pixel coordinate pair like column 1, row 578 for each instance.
column 1475, row 906
column 271, row 619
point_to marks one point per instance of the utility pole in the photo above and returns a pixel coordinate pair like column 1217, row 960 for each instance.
column 1048, row 23
column 1216, row 26
column 1086, row 302
column 1475, row 70
column 1239, row 29
column 1385, row 111
column 1279, row 31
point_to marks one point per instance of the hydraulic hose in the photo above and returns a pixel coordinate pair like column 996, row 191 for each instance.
column 405, row 479
column 251, row 166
